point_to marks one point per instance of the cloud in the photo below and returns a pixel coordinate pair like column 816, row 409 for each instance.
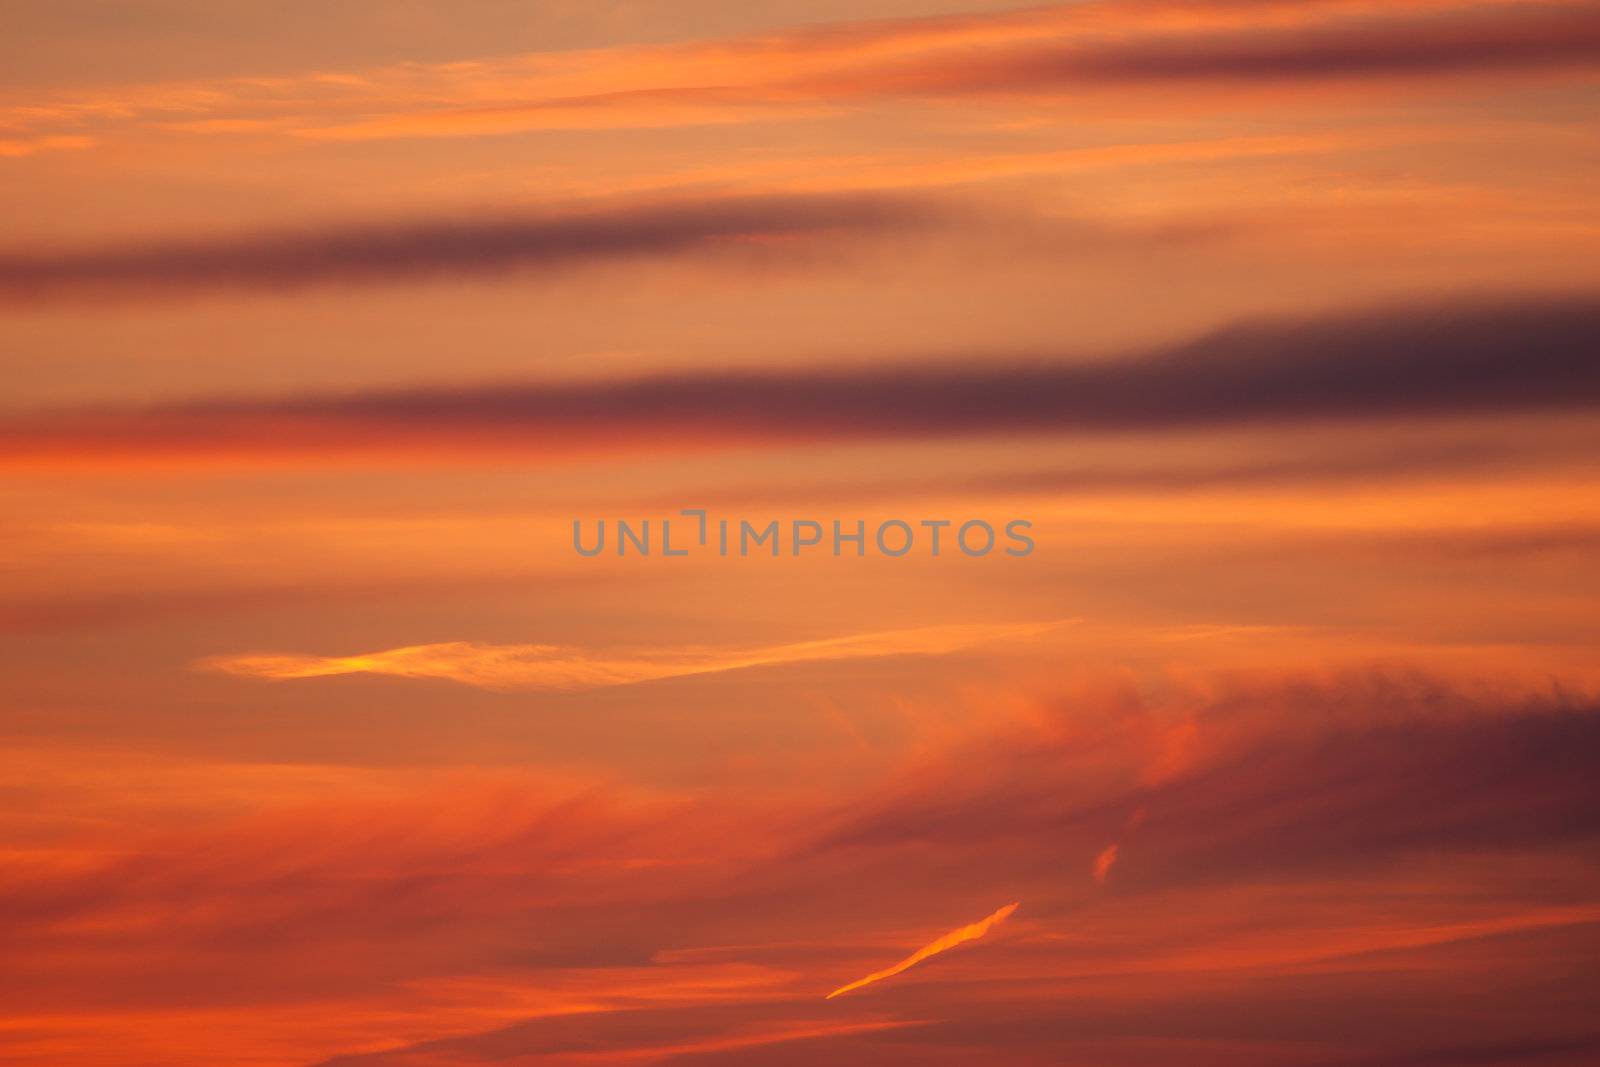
column 1328, row 463
column 1528, row 37
column 1104, row 862
column 944, row 943
column 461, row 247
column 1488, row 357
column 554, row 667
column 1276, row 776
column 1332, row 841
column 1049, row 50
column 728, row 1033
column 12, row 147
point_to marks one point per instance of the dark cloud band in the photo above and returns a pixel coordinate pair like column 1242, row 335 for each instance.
column 466, row 247
column 1531, row 39
column 1442, row 360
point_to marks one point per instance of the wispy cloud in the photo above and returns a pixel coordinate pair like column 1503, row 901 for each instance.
column 1104, row 862
column 1375, row 750
column 1398, row 827
column 959, row 936
column 557, row 667
column 1054, row 49
column 14, row 147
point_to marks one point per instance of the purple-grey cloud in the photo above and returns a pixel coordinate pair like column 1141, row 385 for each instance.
column 1532, row 37
column 1477, row 358
column 448, row 247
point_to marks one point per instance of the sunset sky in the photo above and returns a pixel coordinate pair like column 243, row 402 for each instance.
column 321, row 324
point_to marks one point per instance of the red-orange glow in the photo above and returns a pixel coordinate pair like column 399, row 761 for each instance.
column 1104, row 861
column 323, row 742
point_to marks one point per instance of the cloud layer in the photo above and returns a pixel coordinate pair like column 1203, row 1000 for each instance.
column 317, row 347
column 1287, row 839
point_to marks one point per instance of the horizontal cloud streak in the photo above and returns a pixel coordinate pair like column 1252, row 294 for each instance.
column 559, row 668
column 346, row 254
column 1055, row 48
column 1050, row 52
column 1531, row 37
column 1441, row 360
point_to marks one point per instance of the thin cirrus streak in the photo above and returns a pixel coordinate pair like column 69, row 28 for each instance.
column 1326, row 466
column 1548, row 41
column 1044, row 52
column 791, row 74
column 959, row 936
column 1490, row 357
column 1222, row 63
column 556, row 667
column 374, row 252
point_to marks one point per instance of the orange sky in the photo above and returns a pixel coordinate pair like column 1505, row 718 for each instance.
column 1278, row 321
